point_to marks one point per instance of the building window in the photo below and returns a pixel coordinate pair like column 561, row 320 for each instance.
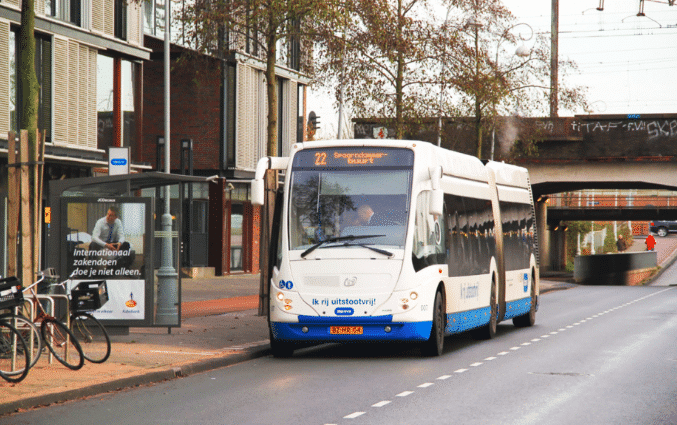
column 127, row 102
column 65, row 10
column 105, row 98
column 121, row 19
column 116, row 98
column 43, row 71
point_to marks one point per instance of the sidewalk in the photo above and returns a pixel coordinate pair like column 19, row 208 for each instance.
column 220, row 327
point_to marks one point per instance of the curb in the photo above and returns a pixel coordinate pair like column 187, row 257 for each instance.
column 135, row 381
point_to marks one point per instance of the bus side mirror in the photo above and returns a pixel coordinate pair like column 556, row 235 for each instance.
column 437, row 202
column 258, row 192
column 436, row 207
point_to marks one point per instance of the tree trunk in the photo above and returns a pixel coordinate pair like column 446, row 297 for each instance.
column 271, row 89
column 399, row 121
column 29, row 122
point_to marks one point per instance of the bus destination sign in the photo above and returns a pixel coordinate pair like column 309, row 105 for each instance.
column 352, row 157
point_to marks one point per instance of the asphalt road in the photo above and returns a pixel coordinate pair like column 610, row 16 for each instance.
column 597, row 355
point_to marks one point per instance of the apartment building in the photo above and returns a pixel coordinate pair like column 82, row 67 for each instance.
column 99, row 66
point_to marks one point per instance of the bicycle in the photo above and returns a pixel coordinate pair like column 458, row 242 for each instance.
column 11, row 298
column 14, row 363
column 60, row 341
column 88, row 330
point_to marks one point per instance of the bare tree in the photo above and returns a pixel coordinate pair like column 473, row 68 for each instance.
column 382, row 57
column 266, row 29
column 492, row 73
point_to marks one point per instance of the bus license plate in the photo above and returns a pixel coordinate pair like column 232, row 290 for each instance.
column 345, row 330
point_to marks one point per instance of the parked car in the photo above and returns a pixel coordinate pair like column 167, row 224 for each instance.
column 662, row 228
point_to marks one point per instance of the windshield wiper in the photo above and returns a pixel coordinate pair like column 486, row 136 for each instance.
column 380, row 251
column 336, row 239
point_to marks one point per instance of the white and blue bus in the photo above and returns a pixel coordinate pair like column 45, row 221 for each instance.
column 397, row 240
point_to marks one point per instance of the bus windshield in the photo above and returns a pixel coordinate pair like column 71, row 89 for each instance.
column 335, row 199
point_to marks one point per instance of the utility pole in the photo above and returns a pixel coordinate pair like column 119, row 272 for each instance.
column 168, row 291
column 554, row 55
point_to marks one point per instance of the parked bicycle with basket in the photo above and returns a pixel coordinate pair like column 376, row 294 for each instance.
column 12, row 302
column 87, row 296
column 14, row 361
column 27, row 312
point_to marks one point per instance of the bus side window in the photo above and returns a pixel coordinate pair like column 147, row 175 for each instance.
column 429, row 235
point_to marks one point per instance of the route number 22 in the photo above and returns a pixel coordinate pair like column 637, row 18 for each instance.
column 320, row 158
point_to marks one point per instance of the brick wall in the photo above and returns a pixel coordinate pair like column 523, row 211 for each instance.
column 194, row 111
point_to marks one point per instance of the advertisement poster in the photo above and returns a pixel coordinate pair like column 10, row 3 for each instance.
column 106, row 239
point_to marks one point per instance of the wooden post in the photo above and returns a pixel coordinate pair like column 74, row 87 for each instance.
column 265, row 262
column 26, row 239
column 12, row 205
column 37, row 201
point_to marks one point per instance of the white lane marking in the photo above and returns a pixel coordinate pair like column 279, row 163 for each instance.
column 443, row 377
column 514, row 348
column 460, row 370
column 405, row 393
column 561, row 330
column 588, row 318
column 535, row 340
column 476, row 364
column 569, row 327
column 502, row 353
column 553, row 333
column 381, row 403
column 425, row 385
column 545, row 336
column 526, row 343
column 354, row 415
column 490, row 359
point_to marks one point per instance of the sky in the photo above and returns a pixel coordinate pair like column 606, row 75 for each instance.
column 627, row 62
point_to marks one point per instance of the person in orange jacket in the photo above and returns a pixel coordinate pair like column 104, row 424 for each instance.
column 650, row 242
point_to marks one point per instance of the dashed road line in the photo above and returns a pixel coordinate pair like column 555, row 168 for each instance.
column 354, row 415
column 502, row 353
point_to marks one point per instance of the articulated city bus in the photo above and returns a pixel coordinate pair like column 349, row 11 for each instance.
column 397, row 240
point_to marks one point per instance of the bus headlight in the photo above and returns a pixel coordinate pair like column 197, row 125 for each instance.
column 280, row 296
column 413, row 295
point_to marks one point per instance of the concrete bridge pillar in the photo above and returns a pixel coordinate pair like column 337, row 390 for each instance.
column 543, row 236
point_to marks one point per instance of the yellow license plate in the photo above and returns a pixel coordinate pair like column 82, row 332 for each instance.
column 345, row 330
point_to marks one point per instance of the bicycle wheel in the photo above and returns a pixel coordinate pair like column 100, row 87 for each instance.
column 29, row 332
column 62, row 343
column 14, row 363
column 92, row 337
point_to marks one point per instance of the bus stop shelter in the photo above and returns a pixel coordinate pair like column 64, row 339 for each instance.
column 141, row 272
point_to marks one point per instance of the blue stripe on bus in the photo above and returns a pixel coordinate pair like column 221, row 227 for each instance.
column 466, row 320
column 318, row 330
column 517, row 308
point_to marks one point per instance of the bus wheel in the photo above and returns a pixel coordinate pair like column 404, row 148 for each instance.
column 528, row 319
column 488, row 331
column 434, row 346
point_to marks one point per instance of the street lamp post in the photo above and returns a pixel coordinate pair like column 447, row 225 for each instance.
column 167, row 312
column 521, row 51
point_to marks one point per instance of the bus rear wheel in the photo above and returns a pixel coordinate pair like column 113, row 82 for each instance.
column 434, row 346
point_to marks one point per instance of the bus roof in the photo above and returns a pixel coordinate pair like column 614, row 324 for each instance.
column 509, row 175
column 453, row 163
